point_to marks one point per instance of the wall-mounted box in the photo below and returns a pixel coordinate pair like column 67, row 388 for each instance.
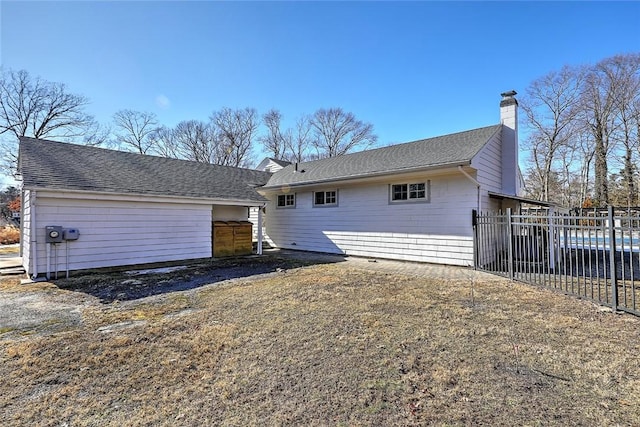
column 71, row 234
column 53, row 234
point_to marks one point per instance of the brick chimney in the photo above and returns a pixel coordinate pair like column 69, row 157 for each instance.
column 509, row 121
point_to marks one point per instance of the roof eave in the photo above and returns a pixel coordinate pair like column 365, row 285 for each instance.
column 370, row 175
column 502, row 196
column 200, row 199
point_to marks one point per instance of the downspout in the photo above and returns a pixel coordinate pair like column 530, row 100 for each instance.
column 33, row 234
column 475, row 181
column 472, row 179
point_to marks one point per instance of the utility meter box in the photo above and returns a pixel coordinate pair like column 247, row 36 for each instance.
column 53, row 234
column 70, row 234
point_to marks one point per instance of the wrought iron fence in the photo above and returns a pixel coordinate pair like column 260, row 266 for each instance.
column 594, row 255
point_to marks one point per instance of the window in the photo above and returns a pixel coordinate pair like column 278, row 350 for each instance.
column 325, row 198
column 286, row 200
column 410, row 192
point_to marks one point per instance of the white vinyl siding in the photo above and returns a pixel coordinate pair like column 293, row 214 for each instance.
column 366, row 224
column 114, row 232
column 25, row 226
column 488, row 164
column 253, row 218
column 230, row 213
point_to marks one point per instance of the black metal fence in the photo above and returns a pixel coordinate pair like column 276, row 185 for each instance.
column 591, row 254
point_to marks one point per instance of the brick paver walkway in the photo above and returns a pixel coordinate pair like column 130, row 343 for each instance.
column 390, row 266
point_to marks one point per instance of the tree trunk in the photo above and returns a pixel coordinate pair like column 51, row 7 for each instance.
column 601, row 178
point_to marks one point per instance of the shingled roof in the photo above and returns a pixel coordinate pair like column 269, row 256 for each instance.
column 61, row 166
column 442, row 151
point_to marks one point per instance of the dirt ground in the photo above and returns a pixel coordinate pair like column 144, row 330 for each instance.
column 293, row 340
column 46, row 307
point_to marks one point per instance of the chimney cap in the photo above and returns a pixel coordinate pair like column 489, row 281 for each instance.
column 508, row 98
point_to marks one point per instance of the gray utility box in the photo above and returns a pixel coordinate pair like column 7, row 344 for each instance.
column 71, row 234
column 53, row 234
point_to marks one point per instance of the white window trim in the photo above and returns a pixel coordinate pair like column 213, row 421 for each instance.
column 326, row 205
column 425, row 199
column 295, row 200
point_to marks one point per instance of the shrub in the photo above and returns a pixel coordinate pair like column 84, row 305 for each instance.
column 9, row 235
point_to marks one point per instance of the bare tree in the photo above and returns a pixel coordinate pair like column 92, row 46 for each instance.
column 97, row 135
column 164, row 142
column 274, row 141
column 299, row 140
column 234, row 131
column 551, row 106
column 625, row 71
column 195, row 141
column 40, row 109
column 338, row 132
column 33, row 107
column 136, row 129
column 291, row 144
column 600, row 118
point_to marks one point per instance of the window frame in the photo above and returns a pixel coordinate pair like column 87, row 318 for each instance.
column 286, row 197
column 396, row 189
column 324, row 203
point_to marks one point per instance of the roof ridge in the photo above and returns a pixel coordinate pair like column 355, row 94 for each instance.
column 403, row 144
column 439, row 151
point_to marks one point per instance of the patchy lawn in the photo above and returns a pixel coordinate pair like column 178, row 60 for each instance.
column 330, row 344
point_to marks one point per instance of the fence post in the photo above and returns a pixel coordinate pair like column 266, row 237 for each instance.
column 551, row 240
column 509, row 243
column 474, row 223
column 612, row 258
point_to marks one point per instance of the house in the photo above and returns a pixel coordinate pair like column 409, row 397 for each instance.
column 127, row 208
column 272, row 165
column 86, row 207
column 411, row 201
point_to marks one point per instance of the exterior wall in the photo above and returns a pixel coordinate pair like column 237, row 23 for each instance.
column 268, row 165
column 365, row 223
column 253, row 218
column 229, row 213
column 25, row 227
column 122, row 232
column 488, row 163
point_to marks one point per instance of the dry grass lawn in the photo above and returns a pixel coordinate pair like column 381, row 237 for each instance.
column 331, row 345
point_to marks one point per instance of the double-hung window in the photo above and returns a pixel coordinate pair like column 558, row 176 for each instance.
column 414, row 192
column 325, row 198
column 287, row 200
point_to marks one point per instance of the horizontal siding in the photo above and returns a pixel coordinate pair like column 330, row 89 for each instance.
column 114, row 233
column 230, row 213
column 253, row 218
column 365, row 224
column 488, row 163
column 25, row 227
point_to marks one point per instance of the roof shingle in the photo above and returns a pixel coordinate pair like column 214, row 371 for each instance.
column 446, row 150
column 61, row 166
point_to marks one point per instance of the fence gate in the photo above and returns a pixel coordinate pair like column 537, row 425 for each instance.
column 593, row 255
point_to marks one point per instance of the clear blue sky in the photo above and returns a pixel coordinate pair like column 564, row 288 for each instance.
column 414, row 69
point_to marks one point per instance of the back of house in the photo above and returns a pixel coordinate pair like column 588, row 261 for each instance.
column 411, row 201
